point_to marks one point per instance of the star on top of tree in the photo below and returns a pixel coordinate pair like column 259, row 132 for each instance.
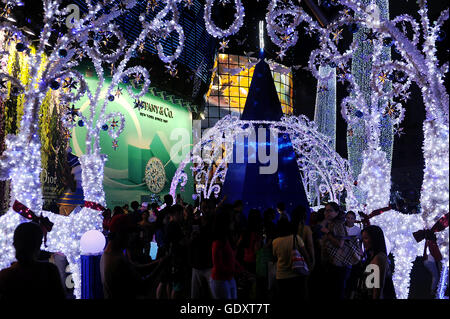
column 285, row 37
column 79, row 54
column 72, row 110
column 59, row 21
column 398, row 131
column 405, row 96
column 342, row 77
column 138, row 78
column 390, row 109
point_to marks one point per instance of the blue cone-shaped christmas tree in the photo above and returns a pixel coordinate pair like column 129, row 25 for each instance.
column 246, row 180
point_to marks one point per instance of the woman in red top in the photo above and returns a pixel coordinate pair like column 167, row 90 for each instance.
column 225, row 266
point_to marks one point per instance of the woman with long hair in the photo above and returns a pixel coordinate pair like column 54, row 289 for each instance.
column 375, row 264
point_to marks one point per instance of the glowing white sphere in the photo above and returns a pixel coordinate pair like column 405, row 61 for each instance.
column 92, row 243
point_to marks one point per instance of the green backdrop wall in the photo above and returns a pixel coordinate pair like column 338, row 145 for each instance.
column 147, row 135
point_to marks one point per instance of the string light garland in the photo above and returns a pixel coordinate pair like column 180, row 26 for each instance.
column 282, row 19
column 325, row 110
column 161, row 28
column 361, row 70
column 217, row 32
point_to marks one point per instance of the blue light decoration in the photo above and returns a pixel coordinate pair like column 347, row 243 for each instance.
column 359, row 114
column 20, row 47
column 443, row 280
column 244, row 178
column 91, row 283
column 153, row 250
column 54, row 85
column 357, row 142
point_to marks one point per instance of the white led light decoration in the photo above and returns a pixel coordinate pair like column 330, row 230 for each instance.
column 318, row 157
column 215, row 31
column 21, row 161
column 389, row 82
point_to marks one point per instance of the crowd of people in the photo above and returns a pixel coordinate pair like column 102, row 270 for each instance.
column 215, row 251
